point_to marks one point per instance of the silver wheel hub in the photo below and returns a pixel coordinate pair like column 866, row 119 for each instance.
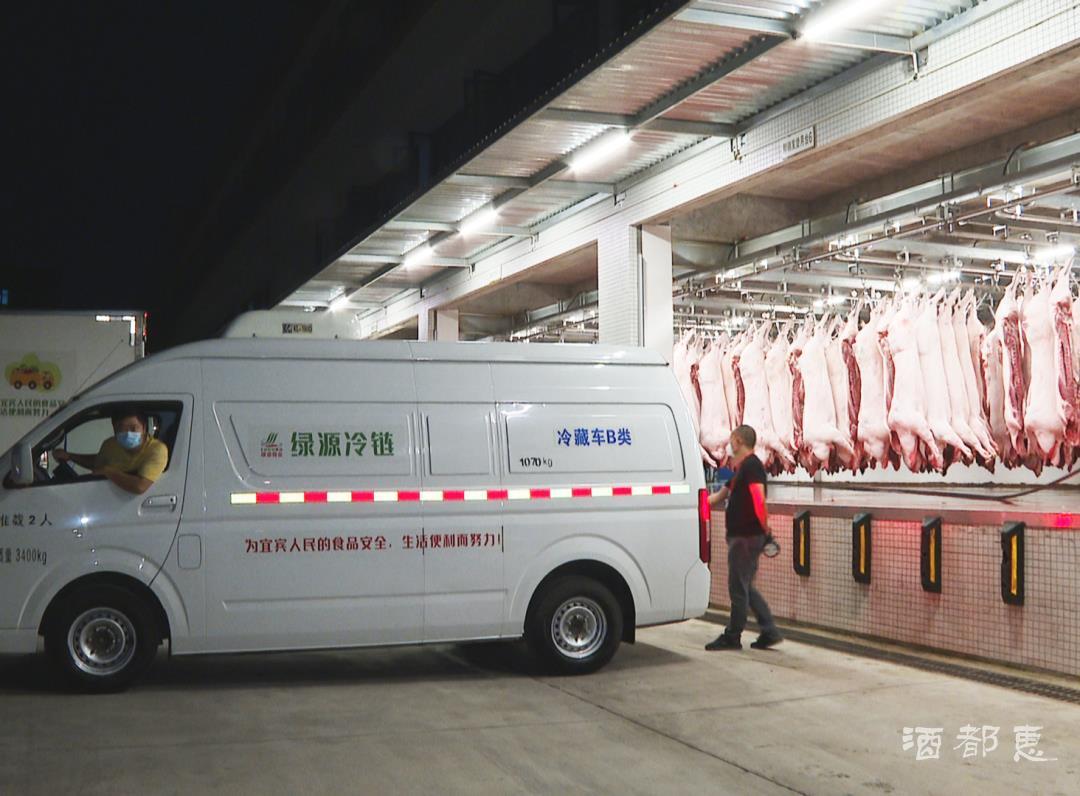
column 101, row 641
column 578, row 627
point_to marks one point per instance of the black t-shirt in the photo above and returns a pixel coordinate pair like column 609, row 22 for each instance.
column 740, row 517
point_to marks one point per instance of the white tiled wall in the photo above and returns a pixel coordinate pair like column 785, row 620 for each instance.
column 968, row 616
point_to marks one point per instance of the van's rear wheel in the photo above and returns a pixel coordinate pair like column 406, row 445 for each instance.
column 576, row 625
column 102, row 638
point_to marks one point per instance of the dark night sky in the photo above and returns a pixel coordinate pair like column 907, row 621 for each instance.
column 197, row 159
column 121, row 119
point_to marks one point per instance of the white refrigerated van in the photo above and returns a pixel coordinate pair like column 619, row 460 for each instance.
column 336, row 494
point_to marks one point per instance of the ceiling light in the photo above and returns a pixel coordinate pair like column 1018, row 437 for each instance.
column 339, row 302
column 484, row 217
column 941, row 277
column 418, row 255
column 599, row 149
column 838, row 15
column 1055, row 254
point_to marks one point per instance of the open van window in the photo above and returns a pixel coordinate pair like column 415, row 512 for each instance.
column 85, row 433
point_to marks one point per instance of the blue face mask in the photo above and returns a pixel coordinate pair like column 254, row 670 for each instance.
column 129, row 440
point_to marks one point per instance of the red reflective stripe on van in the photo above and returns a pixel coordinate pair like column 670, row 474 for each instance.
column 538, row 493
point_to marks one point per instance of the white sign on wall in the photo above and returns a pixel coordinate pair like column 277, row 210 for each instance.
column 799, row 142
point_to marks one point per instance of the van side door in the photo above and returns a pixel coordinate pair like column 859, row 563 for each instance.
column 465, row 591
column 313, row 527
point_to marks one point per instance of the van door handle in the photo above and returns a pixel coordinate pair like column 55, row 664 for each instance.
column 166, row 502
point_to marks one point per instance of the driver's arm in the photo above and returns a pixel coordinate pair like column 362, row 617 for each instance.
column 132, row 482
column 87, row 460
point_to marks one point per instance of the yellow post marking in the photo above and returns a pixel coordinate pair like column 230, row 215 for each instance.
column 1015, row 546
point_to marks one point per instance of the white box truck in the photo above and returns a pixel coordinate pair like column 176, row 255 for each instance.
column 324, row 494
column 48, row 357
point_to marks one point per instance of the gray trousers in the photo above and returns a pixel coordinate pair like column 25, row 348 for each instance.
column 742, row 557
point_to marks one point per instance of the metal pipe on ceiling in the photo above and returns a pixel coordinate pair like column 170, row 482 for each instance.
column 757, row 268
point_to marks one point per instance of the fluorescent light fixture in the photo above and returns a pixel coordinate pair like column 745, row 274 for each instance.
column 598, row 150
column 417, row 255
column 941, row 277
column 484, row 217
column 1055, row 254
column 102, row 318
column 838, row 15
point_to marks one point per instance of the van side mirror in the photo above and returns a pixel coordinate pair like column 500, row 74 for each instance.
column 22, row 465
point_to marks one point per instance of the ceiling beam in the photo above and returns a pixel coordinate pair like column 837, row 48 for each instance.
column 629, row 122
column 366, row 258
column 856, row 39
column 488, row 181
column 442, row 226
column 707, row 77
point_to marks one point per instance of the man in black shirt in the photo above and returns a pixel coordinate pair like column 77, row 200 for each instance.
column 747, row 527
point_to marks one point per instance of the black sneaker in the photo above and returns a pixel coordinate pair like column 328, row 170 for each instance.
column 724, row 642
column 766, row 640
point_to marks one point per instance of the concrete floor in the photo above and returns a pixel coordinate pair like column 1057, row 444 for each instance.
column 664, row 717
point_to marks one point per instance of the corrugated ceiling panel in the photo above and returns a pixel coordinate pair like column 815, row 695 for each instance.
column 449, row 203
column 780, row 73
column 903, row 18
column 391, row 240
column 645, row 149
column 653, row 66
column 531, row 147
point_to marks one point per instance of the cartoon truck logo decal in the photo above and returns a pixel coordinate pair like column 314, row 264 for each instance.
column 32, row 374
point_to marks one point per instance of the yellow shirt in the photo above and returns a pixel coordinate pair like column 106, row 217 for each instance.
column 148, row 460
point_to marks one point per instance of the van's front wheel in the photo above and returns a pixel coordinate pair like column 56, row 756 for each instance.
column 576, row 625
column 102, row 639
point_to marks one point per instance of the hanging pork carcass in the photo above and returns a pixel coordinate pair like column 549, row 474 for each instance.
column 976, row 420
column 681, row 363
column 1065, row 361
column 757, row 408
column 939, row 411
column 715, row 418
column 872, row 431
column 1007, row 320
column 907, row 409
column 991, row 354
column 822, row 439
column 839, row 381
column 778, row 374
column 921, row 381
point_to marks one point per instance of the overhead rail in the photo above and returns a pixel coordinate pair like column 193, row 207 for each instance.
column 884, row 218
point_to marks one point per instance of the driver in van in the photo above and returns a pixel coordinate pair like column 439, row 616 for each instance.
column 130, row 458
